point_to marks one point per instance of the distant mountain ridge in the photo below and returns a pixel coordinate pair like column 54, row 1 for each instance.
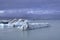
column 29, row 14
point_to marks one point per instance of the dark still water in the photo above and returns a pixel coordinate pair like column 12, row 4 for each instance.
column 48, row 33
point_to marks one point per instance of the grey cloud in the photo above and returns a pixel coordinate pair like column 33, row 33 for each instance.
column 16, row 4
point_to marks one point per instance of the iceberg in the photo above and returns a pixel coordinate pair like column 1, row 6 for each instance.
column 1, row 26
column 23, row 24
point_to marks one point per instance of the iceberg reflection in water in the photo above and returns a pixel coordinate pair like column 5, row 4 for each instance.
column 23, row 25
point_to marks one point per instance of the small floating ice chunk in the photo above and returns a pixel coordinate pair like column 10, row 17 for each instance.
column 2, row 26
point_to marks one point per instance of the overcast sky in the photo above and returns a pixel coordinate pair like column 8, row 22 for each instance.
column 17, row 4
column 47, row 7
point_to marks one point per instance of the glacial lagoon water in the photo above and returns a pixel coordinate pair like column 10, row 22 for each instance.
column 47, row 33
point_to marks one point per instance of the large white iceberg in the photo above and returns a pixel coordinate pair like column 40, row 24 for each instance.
column 23, row 24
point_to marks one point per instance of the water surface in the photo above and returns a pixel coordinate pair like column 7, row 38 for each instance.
column 48, row 33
